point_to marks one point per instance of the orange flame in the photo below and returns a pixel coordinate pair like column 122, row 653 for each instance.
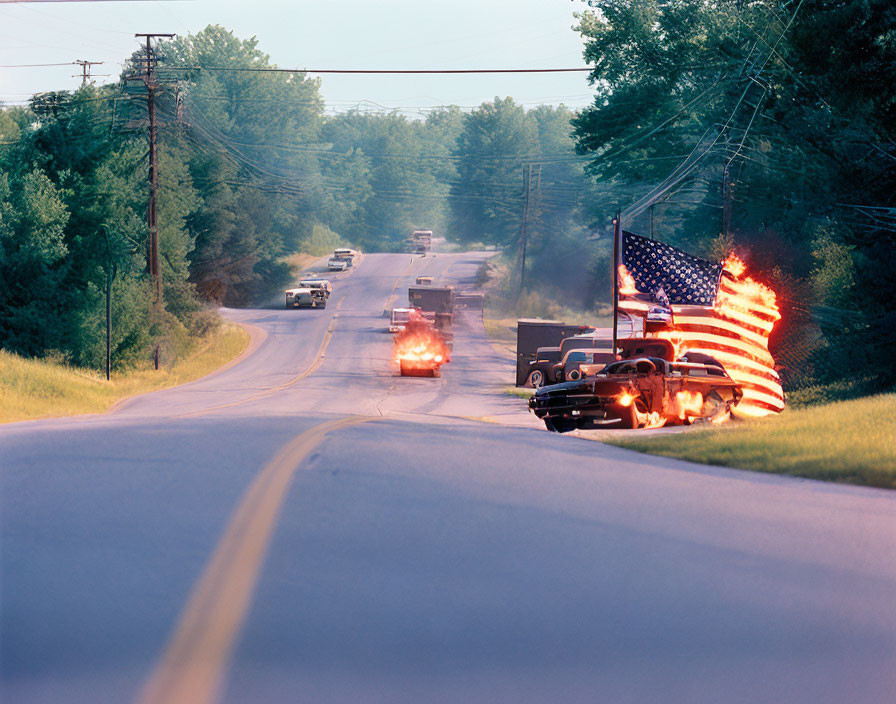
column 749, row 296
column 734, row 264
column 626, row 282
column 625, row 399
column 420, row 345
column 654, row 420
column 688, row 403
column 674, row 336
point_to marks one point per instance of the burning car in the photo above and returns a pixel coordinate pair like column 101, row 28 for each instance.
column 639, row 392
column 421, row 349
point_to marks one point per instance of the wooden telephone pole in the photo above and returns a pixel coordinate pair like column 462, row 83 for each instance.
column 524, row 235
column 85, row 69
column 617, row 237
column 149, row 79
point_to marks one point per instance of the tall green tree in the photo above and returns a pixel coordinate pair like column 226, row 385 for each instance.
column 496, row 144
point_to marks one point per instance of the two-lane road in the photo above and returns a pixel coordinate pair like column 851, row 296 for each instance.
column 308, row 526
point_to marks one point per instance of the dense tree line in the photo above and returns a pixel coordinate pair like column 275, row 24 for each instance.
column 766, row 127
column 251, row 169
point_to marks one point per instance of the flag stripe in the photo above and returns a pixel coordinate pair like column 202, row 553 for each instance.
column 714, row 312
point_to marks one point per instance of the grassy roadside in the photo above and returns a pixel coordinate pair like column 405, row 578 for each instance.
column 845, row 441
column 503, row 309
column 31, row 389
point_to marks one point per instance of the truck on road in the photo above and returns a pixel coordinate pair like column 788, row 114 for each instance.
column 437, row 300
column 422, row 241
column 306, row 298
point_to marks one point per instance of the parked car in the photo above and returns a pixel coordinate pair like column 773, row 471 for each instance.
column 638, row 392
column 541, row 368
column 570, row 367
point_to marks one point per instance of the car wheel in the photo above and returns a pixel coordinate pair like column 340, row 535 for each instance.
column 560, row 425
column 536, row 379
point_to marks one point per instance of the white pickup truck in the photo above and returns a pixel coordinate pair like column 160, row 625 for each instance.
column 321, row 284
column 306, row 298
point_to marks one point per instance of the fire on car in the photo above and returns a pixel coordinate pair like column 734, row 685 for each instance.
column 639, row 392
column 420, row 348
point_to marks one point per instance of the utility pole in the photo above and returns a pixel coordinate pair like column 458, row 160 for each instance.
column 527, row 182
column 85, row 70
column 152, row 85
column 111, row 270
column 617, row 236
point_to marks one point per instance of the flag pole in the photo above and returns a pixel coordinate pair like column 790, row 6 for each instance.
column 617, row 226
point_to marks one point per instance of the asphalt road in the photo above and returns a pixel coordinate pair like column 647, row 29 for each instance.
column 308, row 526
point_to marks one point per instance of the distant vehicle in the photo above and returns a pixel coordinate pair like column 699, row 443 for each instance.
column 438, row 301
column 323, row 284
column 424, row 281
column 541, row 369
column 638, row 392
column 306, row 298
column 399, row 319
column 345, row 253
column 555, row 364
column 422, row 240
column 534, row 333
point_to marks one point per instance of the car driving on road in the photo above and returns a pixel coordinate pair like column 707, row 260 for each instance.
column 304, row 297
column 316, row 283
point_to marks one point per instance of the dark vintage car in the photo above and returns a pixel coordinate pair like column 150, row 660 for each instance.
column 541, row 369
column 638, row 392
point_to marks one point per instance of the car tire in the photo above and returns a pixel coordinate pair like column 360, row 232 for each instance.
column 536, row 379
column 560, row 425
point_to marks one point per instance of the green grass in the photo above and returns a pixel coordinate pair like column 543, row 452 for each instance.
column 850, row 441
column 31, row 388
column 519, row 393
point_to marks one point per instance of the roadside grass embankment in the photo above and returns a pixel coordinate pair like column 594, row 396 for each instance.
column 33, row 388
column 850, row 441
column 503, row 307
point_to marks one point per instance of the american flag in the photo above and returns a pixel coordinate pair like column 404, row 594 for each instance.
column 716, row 311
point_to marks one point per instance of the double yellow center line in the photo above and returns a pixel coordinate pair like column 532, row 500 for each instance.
column 192, row 667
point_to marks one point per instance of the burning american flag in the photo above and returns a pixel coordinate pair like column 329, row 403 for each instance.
column 715, row 310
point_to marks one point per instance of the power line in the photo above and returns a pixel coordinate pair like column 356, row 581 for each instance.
column 67, row 63
column 384, row 71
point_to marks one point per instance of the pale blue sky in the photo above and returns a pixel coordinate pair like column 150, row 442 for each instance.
column 322, row 34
